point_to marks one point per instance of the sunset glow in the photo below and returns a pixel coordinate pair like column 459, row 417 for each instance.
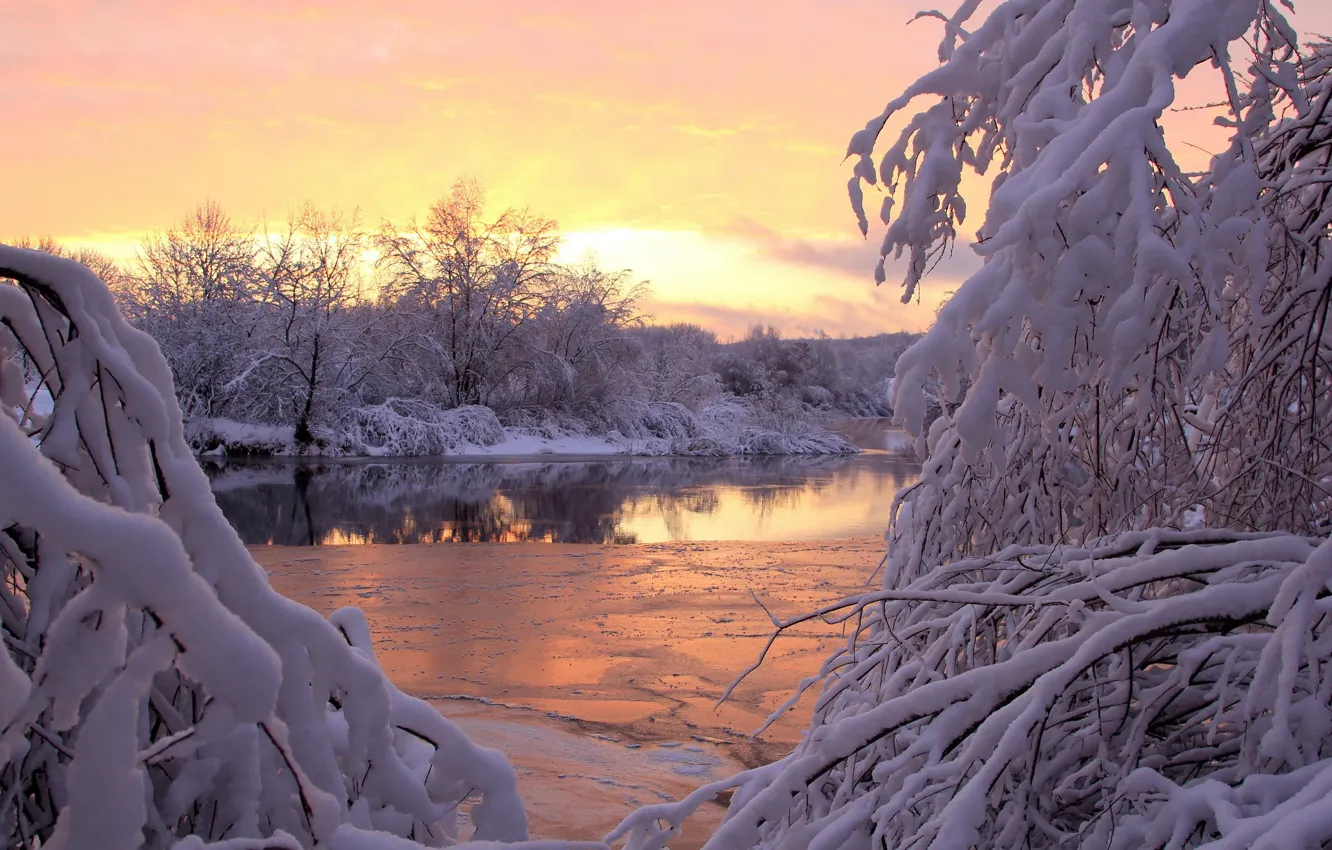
column 697, row 143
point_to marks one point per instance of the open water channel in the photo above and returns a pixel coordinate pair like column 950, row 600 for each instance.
column 565, row 500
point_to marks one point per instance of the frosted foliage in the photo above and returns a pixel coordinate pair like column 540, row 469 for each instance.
column 1051, row 658
column 1262, row 427
column 1141, row 344
column 403, row 427
column 154, row 690
column 1160, row 689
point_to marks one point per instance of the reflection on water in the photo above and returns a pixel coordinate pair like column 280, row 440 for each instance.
column 875, row 434
column 624, row 500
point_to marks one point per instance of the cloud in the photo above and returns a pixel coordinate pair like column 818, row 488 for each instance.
column 879, row 313
column 849, row 257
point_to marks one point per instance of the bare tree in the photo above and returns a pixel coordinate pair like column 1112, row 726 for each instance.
column 475, row 284
column 315, row 340
column 194, row 291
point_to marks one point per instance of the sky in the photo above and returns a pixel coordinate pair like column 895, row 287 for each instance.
column 698, row 143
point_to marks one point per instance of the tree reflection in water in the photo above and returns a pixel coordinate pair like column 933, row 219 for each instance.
column 309, row 503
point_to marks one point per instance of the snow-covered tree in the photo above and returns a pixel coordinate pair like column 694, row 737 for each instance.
column 154, row 690
column 472, row 284
column 287, row 341
column 576, row 352
column 1057, row 656
column 676, row 363
column 194, row 291
column 1263, row 430
column 1105, row 337
column 316, row 345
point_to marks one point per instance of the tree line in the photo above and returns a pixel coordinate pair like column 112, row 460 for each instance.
column 302, row 325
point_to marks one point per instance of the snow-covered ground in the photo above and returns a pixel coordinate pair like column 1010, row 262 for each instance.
column 249, row 438
column 401, row 428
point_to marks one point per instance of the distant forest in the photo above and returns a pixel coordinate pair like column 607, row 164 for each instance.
column 298, row 329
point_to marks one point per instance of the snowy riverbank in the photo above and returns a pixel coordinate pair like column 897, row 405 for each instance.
column 730, row 427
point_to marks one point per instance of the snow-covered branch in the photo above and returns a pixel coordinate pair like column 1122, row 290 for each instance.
column 1158, row 689
column 153, row 688
column 1061, row 652
column 1133, row 329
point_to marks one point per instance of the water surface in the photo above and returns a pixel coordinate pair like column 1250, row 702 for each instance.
column 617, row 500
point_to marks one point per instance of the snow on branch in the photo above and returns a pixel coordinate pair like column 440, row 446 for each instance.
column 1155, row 689
column 1060, row 653
column 154, row 690
column 1134, row 328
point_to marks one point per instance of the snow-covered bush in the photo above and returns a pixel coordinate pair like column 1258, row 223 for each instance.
column 669, row 421
column 775, row 425
column 405, row 428
column 219, row 436
column 730, row 425
column 394, row 428
column 153, row 688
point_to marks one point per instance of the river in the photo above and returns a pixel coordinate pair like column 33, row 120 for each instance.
column 615, row 602
column 616, row 500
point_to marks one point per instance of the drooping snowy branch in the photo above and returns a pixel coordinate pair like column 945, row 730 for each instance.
column 1049, row 660
column 1108, row 346
column 152, row 686
column 1158, row 689
column 1263, row 428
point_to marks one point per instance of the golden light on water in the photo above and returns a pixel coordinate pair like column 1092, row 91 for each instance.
column 754, row 500
column 847, row 506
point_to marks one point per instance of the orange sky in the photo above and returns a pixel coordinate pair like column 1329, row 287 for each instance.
column 697, row 142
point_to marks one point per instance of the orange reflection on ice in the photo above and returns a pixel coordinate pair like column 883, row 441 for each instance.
column 639, row 638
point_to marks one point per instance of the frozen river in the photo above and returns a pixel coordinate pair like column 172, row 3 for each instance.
column 595, row 667
column 619, row 500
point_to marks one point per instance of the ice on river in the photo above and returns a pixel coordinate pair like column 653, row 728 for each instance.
column 596, row 668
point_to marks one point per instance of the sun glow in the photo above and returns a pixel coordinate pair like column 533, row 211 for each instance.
column 685, row 145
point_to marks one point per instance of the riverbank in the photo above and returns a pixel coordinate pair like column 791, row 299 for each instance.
column 596, row 668
column 399, row 429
